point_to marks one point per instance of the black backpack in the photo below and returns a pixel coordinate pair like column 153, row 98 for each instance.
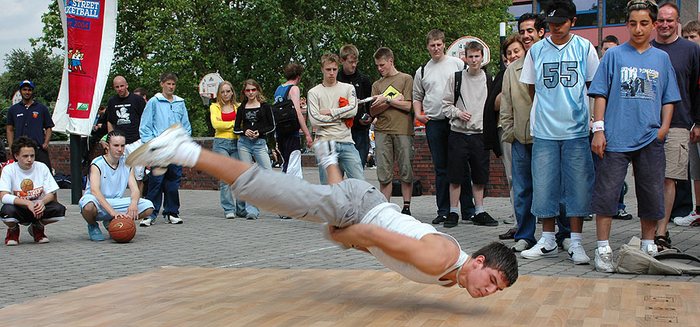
column 286, row 121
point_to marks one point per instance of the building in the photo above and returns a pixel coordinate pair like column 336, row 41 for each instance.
column 595, row 24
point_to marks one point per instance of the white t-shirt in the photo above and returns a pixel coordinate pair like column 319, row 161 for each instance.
column 387, row 215
column 429, row 89
column 31, row 184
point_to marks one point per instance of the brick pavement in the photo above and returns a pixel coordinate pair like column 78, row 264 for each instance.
column 206, row 239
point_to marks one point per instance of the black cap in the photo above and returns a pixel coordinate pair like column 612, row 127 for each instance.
column 559, row 14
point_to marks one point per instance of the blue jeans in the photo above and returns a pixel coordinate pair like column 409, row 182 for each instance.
column 437, row 133
column 562, row 172
column 249, row 149
column 361, row 138
column 522, row 197
column 163, row 189
column 228, row 147
column 348, row 162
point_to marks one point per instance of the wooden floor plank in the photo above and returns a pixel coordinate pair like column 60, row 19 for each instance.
column 269, row 297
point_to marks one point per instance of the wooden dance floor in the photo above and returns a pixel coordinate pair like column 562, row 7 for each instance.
column 272, row 297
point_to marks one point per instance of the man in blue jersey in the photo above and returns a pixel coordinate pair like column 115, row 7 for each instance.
column 557, row 70
column 635, row 90
column 104, row 195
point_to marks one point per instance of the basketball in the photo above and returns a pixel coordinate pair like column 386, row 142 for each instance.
column 122, row 230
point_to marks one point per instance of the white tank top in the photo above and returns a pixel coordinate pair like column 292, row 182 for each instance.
column 387, row 215
column 113, row 180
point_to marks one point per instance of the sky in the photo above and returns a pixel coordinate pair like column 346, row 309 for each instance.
column 19, row 21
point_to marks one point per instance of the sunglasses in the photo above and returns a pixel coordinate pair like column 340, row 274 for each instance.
column 250, row 90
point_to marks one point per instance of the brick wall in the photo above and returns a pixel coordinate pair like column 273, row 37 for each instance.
column 422, row 168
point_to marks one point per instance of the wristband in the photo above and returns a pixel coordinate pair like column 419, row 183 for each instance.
column 598, row 126
column 8, row 199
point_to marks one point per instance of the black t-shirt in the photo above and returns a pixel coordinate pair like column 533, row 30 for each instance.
column 685, row 58
column 363, row 88
column 125, row 115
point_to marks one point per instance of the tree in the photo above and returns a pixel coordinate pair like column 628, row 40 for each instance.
column 255, row 39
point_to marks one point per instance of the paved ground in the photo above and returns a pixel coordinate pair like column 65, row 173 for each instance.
column 206, row 239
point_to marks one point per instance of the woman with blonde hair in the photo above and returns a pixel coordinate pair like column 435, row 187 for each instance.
column 254, row 122
column 223, row 115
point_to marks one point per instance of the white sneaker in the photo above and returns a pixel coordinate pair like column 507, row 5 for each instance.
column 566, row 244
column 540, row 250
column 604, row 259
column 173, row 220
column 578, row 255
column 687, row 220
column 650, row 249
column 173, row 146
column 231, row 215
column 520, row 246
column 146, row 222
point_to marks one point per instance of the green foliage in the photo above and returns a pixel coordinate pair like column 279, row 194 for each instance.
column 255, row 39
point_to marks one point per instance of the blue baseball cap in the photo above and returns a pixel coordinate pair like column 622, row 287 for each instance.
column 26, row 82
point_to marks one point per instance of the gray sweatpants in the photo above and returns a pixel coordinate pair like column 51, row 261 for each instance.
column 340, row 205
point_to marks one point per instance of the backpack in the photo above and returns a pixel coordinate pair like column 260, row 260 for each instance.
column 631, row 260
column 458, row 85
column 285, row 115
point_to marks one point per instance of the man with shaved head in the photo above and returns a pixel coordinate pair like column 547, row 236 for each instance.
column 124, row 113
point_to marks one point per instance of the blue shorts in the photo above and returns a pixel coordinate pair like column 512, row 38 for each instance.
column 118, row 204
column 562, row 172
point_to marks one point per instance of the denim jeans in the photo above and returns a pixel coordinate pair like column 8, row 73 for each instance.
column 562, row 172
column 228, row 147
column 361, row 138
column 437, row 133
column 522, row 197
column 348, row 162
column 163, row 190
column 249, row 149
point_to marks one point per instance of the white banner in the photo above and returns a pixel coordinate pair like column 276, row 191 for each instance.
column 90, row 31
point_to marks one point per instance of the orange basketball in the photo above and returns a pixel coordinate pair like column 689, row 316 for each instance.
column 122, row 230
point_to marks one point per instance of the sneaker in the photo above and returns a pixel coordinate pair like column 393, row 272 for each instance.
column 230, row 215
column 251, row 216
column 95, row 233
column 578, row 255
column 285, row 217
column 146, row 222
column 623, row 215
column 508, row 235
column 565, row 244
column 163, row 150
column 106, row 223
column 439, row 219
column 37, row 232
column 467, row 217
column 12, row 237
column 687, row 220
column 604, row 259
column 588, row 218
column 484, row 219
column 521, row 245
column 173, row 219
column 406, row 211
column 650, row 249
column 452, row 220
column 540, row 250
